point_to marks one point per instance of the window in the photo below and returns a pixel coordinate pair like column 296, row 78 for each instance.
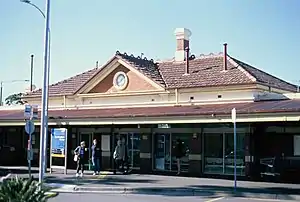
column 219, row 153
column 164, row 151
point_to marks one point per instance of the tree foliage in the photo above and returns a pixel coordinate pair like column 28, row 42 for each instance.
column 15, row 99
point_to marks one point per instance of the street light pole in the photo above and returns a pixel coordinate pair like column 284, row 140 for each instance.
column 31, row 73
column 45, row 89
column 1, row 93
column 44, row 124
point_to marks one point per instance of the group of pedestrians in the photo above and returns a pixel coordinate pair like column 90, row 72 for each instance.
column 81, row 156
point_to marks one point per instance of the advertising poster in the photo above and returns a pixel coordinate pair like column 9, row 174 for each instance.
column 58, row 141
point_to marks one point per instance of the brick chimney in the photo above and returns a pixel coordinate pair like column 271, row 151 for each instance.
column 182, row 42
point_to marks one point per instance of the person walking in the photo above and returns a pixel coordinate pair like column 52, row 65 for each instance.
column 119, row 156
column 179, row 151
column 80, row 156
column 96, row 155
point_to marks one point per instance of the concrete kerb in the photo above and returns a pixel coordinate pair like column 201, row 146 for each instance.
column 183, row 191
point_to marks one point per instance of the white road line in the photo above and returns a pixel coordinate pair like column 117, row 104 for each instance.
column 260, row 199
column 215, row 199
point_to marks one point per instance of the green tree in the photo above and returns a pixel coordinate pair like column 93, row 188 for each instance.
column 22, row 190
column 15, row 99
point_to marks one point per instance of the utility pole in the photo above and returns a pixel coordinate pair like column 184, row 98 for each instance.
column 31, row 73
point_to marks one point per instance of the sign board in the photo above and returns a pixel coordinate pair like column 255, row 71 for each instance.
column 233, row 115
column 59, row 138
column 35, row 110
column 58, row 143
column 163, row 126
column 29, row 127
column 27, row 112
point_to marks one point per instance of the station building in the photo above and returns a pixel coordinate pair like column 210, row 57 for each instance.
column 152, row 103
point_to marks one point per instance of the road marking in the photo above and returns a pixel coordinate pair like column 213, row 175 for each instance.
column 51, row 194
column 103, row 174
column 260, row 199
column 215, row 199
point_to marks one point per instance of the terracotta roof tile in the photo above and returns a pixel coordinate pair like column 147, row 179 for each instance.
column 217, row 109
column 204, row 71
column 266, row 78
column 68, row 86
column 145, row 66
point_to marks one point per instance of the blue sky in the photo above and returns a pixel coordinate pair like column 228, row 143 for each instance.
column 262, row 33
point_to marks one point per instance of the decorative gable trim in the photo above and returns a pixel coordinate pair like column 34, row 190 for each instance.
column 107, row 69
column 103, row 73
column 125, row 64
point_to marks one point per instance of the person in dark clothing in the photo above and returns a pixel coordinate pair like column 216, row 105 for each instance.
column 80, row 151
column 96, row 155
column 179, row 153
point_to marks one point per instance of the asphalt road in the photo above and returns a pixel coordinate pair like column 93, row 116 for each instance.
column 147, row 198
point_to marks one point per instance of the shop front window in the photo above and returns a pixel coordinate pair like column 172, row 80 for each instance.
column 213, row 153
column 164, row 151
column 219, row 153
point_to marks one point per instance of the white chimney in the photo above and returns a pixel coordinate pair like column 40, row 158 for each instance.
column 182, row 40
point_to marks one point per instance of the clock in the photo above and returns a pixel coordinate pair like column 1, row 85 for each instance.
column 120, row 80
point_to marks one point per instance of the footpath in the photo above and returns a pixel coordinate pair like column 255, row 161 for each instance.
column 166, row 185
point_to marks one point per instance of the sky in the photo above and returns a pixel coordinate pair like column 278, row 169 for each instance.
column 265, row 34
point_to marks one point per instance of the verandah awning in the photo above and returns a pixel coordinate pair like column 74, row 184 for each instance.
column 281, row 110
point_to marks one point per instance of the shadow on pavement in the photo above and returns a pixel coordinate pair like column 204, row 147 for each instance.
column 96, row 180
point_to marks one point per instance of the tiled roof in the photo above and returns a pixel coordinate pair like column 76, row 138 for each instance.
column 217, row 109
column 266, row 78
column 204, row 71
column 209, row 71
column 145, row 66
column 69, row 86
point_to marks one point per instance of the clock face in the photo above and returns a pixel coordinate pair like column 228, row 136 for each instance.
column 120, row 80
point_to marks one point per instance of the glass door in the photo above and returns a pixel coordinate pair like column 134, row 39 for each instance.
column 132, row 143
column 162, row 152
column 219, row 153
column 213, row 153
column 87, row 138
column 133, row 146
column 229, row 154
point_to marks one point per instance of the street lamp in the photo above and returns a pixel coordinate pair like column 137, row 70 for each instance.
column 49, row 43
column 1, row 88
column 45, row 88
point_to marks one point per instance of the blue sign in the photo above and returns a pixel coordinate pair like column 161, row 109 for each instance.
column 29, row 127
column 58, row 142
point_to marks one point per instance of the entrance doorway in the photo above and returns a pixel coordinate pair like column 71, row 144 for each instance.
column 88, row 138
column 165, row 159
column 132, row 142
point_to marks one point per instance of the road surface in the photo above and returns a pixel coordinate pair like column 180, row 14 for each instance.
column 148, row 198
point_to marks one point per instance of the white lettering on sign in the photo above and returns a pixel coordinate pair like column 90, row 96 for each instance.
column 60, row 137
